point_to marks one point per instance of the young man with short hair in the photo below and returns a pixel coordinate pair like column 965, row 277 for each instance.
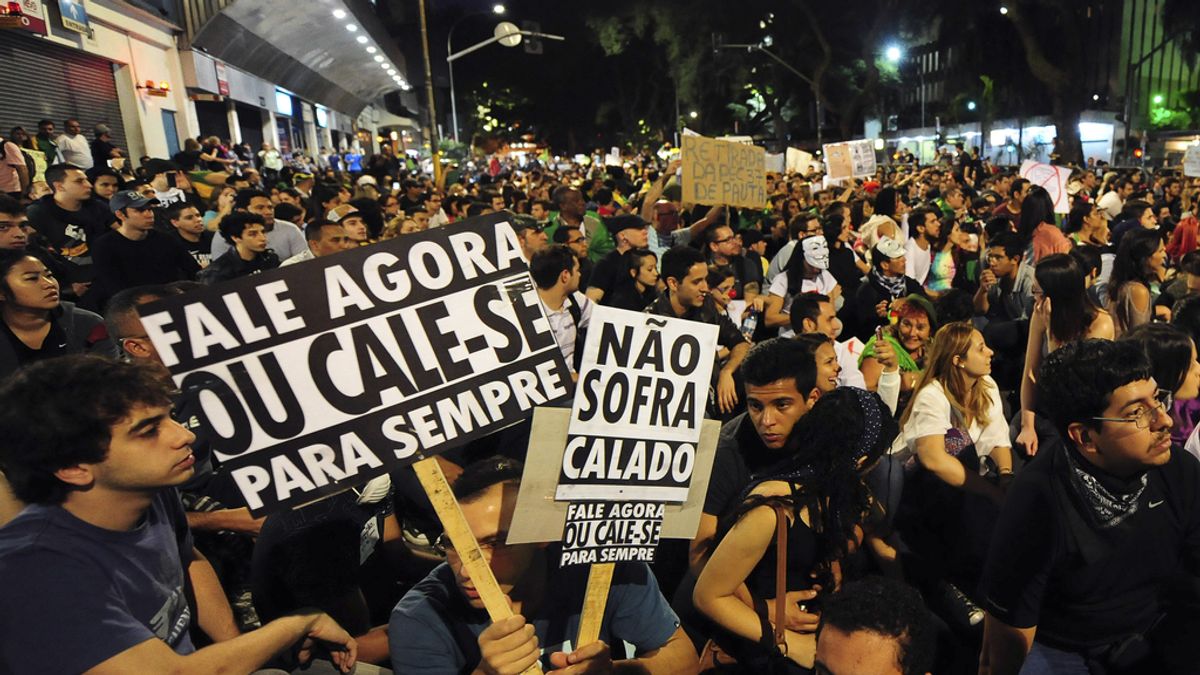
column 136, row 254
column 69, row 219
column 877, row 626
column 1098, row 530
column 924, row 226
column 248, row 252
column 189, row 229
column 724, row 248
column 530, row 234
column 94, row 567
column 285, row 239
column 686, row 297
column 440, row 625
column 999, row 297
column 555, row 272
column 573, row 238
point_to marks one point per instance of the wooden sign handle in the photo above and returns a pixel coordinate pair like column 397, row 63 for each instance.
column 594, row 602
column 437, row 488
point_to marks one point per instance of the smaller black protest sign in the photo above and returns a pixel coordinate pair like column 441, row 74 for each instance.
column 611, row 532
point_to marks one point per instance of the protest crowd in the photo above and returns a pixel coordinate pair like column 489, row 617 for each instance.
column 958, row 426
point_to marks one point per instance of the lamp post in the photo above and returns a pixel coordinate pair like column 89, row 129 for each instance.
column 496, row 9
column 506, row 34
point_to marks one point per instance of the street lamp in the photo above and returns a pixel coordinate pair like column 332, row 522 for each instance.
column 893, row 54
column 506, row 33
column 970, row 105
column 693, row 114
column 498, row 9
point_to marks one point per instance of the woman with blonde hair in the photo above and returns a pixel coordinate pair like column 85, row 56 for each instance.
column 959, row 464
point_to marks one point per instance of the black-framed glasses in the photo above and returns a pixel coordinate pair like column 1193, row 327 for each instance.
column 1163, row 399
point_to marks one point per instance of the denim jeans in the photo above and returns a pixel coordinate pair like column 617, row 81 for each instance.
column 1043, row 660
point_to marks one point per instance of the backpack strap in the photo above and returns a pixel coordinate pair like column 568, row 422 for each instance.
column 580, row 333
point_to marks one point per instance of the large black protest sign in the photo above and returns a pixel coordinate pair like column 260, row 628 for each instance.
column 640, row 400
column 320, row 375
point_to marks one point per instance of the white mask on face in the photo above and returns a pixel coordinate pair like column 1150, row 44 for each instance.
column 816, row 252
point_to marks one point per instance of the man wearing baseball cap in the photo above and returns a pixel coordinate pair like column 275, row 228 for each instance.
column 102, row 149
column 135, row 254
column 885, row 283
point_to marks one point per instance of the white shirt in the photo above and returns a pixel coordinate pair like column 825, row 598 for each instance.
column 779, row 262
column 562, row 325
column 439, row 219
column 75, row 150
column 823, row 284
column 299, row 258
column 932, row 416
column 1112, row 203
column 917, row 261
column 285, row 239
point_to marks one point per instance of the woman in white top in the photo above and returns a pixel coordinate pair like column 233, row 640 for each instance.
column 807, row 272
column 953, row 422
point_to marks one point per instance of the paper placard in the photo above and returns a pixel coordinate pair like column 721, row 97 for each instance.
column 1053, row 178
column 636, row 416
column 721, row 172
column 319, row 376
column 540, row 518
column 852, row 159
column 1191, row 161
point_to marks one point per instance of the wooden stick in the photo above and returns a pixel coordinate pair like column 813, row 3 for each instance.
column 594, row 602
column 434, row 482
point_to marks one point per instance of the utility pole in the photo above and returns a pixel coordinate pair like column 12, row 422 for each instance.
column 433, row 134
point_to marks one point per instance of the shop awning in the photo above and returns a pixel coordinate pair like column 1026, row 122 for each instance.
column 308, row 49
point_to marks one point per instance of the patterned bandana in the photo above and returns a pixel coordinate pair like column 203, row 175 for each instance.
column 1105, row 509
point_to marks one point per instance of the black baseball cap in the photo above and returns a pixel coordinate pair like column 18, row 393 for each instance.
column 130, row 198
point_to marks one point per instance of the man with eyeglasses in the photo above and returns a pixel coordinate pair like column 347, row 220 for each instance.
column 1097, row 531
column 440, row 625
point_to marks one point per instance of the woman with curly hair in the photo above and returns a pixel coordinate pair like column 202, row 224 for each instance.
column 820, row 495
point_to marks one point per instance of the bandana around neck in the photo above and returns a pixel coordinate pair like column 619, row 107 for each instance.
column 1105, row 509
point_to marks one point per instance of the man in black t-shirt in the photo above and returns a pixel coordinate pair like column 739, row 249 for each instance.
column 780, row 378
column 628, row 232
column 686, row 297
column 190, row 231
column 69, row 220
column 1096, row 529
column 135, row 254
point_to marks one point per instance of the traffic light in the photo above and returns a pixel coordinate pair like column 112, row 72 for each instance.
column 1137, row 153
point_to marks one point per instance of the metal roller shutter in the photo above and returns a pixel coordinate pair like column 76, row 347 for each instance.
column 49, row 81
